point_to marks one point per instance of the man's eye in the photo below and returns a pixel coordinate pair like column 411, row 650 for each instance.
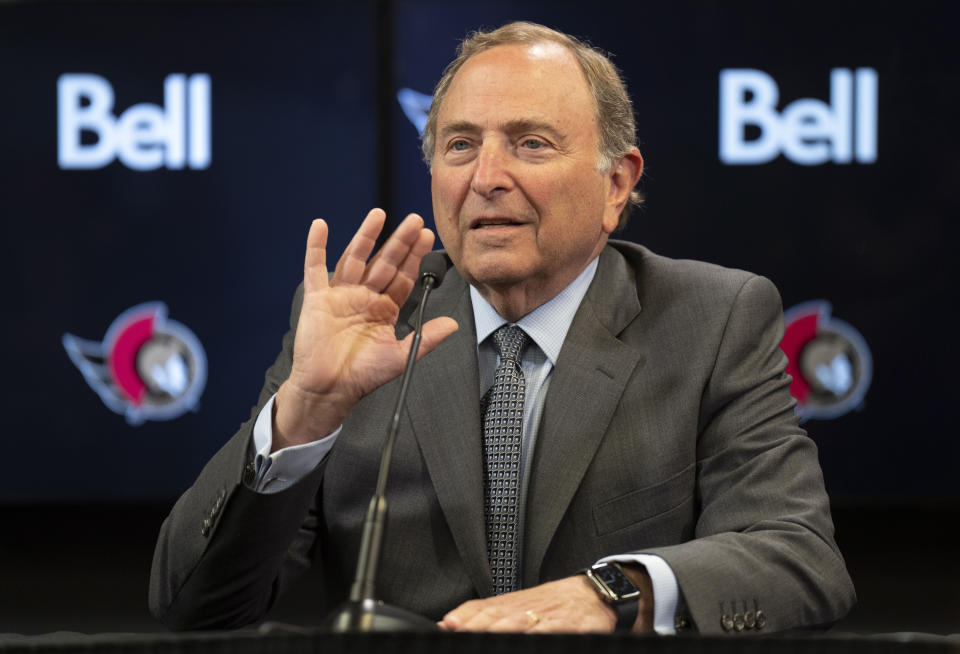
column 459, row 145
column 533, row 144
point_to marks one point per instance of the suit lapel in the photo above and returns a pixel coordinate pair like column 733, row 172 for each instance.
column 444, row 410
column 585, row 388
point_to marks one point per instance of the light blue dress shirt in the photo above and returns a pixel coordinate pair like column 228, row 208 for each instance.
column 547, row 327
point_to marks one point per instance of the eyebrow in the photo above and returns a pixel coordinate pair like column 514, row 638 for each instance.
column 510, row 127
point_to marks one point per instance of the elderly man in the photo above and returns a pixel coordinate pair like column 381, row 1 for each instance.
column 653, row 440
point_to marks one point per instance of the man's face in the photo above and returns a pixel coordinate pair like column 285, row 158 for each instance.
column 517, row 198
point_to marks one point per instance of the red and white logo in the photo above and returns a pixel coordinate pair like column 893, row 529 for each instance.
column 829, row 361
column 146, row 368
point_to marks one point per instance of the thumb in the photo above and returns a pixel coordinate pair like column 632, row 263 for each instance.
column 434, row 332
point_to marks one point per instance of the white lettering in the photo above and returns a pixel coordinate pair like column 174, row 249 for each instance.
column 141, row 135
column 174, row 101
column 866, row 115
column 73, row 119
column 841, row 100
column 807, row 131
column 145, row 136
column 200, row 121
column 736, row 112
column 808, row 127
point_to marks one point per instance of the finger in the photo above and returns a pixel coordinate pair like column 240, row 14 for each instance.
column 434, row 333
column 384, row 266
column 546, row 627
column 408, row 225
column 568, row 624
column 315, row 261
column 399, row 288
column 352, row 265
column 552, row 627
column 484, row 619
column 504, row 619
column 497, row 618
column 456, row 618
column 514, row 622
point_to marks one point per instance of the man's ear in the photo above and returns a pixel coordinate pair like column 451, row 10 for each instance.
column 624, row 175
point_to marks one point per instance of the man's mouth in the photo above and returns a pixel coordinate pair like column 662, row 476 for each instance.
column 480, row 223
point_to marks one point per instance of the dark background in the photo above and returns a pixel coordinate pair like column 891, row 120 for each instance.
column 305, row 124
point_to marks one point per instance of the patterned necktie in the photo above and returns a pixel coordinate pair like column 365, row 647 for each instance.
column 502, row 409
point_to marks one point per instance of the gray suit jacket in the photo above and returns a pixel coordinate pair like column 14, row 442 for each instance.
column 668, row 429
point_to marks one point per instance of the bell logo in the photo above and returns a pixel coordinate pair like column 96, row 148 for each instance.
column 808, row 131
column 145, row 136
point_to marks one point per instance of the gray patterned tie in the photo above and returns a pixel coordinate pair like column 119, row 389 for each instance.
column 502, row 409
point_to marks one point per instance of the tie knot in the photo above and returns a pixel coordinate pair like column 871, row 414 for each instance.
column 510, row 341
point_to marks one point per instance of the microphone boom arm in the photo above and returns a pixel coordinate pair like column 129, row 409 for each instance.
column 362, row 612
column 372, row 539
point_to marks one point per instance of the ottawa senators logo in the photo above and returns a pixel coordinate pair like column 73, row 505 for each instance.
column 830, row 362
column 146, row 368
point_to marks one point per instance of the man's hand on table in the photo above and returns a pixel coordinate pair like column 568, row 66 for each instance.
column 569, row 605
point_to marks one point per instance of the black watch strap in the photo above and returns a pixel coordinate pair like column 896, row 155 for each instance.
column 626, row 613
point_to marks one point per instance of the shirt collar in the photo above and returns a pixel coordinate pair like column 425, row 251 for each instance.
column 548, row 324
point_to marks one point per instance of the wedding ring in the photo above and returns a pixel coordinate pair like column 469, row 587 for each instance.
column 533, row 616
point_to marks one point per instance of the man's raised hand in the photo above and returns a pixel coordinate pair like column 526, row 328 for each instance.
column 345, row 345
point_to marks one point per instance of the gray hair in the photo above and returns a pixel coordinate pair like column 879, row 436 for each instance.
column 614, row 110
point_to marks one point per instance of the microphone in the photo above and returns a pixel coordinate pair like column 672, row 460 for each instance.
column 362, row 612
column 432, row 269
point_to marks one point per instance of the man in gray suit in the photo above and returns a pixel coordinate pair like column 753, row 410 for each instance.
column 656, row 444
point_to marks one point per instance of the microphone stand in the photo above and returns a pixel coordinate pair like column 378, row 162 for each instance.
column 362, row 612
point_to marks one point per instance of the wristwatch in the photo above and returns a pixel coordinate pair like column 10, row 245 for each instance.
column 616, row 589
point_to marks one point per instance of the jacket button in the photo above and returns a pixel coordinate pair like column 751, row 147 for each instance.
column 738, row 621
column 761, row 619
column 726, row 622
column 749, row 620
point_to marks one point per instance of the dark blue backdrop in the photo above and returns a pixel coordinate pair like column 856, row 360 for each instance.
column 296, row 134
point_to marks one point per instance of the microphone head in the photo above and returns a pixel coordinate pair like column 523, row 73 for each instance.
column 434, row 267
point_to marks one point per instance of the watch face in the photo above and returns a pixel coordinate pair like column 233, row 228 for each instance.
column 618, row 583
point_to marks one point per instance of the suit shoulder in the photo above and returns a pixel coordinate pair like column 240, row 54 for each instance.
column 660, row 277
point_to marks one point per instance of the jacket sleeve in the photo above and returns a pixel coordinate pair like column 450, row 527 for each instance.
column 763, row 544
column 225, row 552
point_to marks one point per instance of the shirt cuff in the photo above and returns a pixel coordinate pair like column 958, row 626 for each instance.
column 285, row 467
column 665, row 588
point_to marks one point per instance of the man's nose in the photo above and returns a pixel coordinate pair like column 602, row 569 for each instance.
column 492, row 173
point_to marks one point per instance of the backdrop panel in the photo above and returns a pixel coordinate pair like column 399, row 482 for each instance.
column 836, row 180
column 174, row 153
